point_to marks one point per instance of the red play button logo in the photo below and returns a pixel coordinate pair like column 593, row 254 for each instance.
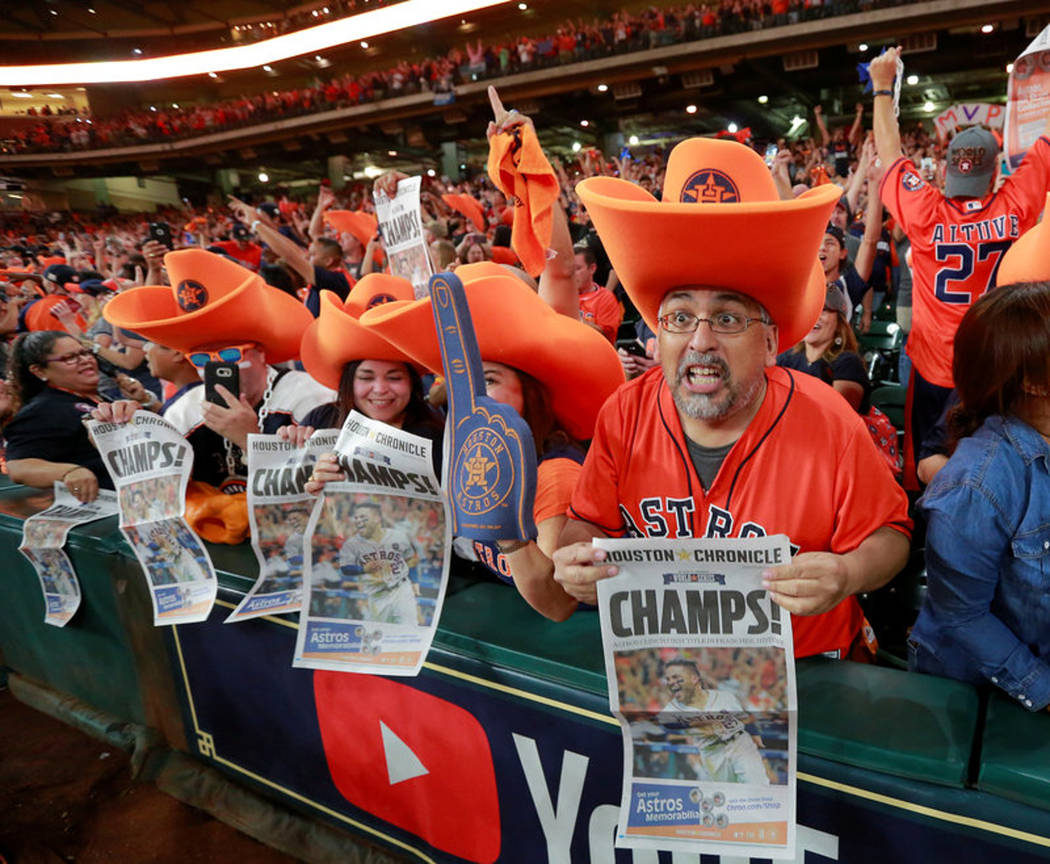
column 412, row 759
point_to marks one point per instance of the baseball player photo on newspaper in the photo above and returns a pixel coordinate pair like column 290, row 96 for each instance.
column 377, row 570
column 279, row 511
column 43, row 537
column 401, row 225
column 700, row 665
column 150, row 463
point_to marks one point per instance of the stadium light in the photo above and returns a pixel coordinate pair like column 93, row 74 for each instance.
column 311, row 40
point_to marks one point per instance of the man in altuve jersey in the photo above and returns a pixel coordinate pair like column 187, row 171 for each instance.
column 382, row 559
column 708, row 717
column 717, row 441
column 957, row 241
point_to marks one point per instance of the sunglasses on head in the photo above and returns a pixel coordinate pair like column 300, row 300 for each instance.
column 230, row 354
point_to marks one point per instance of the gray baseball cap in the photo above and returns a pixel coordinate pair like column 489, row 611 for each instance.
column 835, row 298
column 971, row 163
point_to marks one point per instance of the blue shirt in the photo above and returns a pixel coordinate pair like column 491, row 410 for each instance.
column 986, row 616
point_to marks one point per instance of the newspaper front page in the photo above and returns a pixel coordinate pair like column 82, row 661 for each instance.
column 1027, row 99
column 701, row 675
column 402, row 230
column 376, row 576
column 150, row 463
column 279, row 511
column 43, row 537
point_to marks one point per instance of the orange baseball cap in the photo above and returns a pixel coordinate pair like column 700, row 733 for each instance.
column 336, row 338
column 39, row 315
column 212, row 300
column 1028, row 260
column 720, row 224
column 577, row 365
column 357, row 222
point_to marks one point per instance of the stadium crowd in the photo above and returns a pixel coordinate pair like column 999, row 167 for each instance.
column 769, row 364
column 572, row 42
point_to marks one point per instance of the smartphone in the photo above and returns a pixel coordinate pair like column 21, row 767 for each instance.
column 226, row 374
column 771, row 154
column 636, row 348
column 161, row 232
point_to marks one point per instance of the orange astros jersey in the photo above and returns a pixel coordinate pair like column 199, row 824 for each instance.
column 956, row 247
column 805, row 467
column 601, row 308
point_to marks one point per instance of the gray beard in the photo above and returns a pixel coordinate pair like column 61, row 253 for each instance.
column 700, row 406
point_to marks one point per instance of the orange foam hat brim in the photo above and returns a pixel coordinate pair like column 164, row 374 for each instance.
column 1028, row 260
column 578, row 366
column 335, row 338
column 270, row 317
column 766, row 250
column 362, row 225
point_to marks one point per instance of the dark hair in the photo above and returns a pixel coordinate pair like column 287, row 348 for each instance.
column 587, row 252
column 845, row 338
column 330, row 247
column 1002, row 345
column 417, row 413
column 30, row 349
column 538, row 412
column 278, row 277
column 501, row 236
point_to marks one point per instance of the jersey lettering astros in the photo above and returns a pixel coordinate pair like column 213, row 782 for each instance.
column 805, row 467
column 957, row 245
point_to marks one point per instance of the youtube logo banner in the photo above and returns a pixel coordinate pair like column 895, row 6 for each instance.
column 412, row 759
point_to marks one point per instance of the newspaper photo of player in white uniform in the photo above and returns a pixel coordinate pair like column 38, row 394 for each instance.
column 150, row 463
column 279, row 511
column 701, row 676
column 43, row 536
column 402, row 229
column 376, row 570
column 382, row 558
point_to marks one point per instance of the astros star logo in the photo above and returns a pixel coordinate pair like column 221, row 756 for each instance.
column 710, row 186
column 683, row 554
column 965, row 166
column 191, row 295
column 477, row 467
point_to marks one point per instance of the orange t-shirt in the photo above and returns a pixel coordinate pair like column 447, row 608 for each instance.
column 805, row 467
column 601, row 308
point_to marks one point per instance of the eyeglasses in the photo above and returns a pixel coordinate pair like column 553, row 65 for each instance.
column 725, row 323
column 230, row 354
column 72, row 358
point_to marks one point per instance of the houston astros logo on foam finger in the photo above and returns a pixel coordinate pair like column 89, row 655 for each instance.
column 486, row 471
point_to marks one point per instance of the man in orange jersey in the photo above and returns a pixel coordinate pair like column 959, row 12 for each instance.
column 598, row 305
column 717, row 441
column 957, row 241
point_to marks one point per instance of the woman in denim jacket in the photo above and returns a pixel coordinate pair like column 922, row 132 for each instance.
column 986, row 617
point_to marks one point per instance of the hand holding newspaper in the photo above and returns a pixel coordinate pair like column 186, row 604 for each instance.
column 700, row 664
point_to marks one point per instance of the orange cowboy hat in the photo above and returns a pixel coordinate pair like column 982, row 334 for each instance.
column 719, row 224
column 1028, row 260
column 357, row 222
column 576, row 364
column 335, row 338
column 468, row 206
column 211, row 301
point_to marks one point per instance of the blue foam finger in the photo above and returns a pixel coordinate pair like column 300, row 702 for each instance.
column 491, row 478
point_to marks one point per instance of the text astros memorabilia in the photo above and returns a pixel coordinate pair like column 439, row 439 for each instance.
column 819, row 481
column 957, row 245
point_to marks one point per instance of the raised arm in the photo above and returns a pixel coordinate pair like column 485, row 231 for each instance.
column 883, row 70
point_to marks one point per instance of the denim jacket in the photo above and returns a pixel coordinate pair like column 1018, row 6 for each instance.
column 987, row 612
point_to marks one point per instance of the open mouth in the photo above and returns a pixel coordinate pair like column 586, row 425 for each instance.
column 704, row 376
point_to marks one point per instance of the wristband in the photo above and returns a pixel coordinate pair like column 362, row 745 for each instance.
column 883, row 93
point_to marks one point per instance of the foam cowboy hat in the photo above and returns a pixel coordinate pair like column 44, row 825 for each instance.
column 360, row 224
column 212, row 300
column 576, row 364
column 720, row 224
column 1028, row 259
column 336, row 338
